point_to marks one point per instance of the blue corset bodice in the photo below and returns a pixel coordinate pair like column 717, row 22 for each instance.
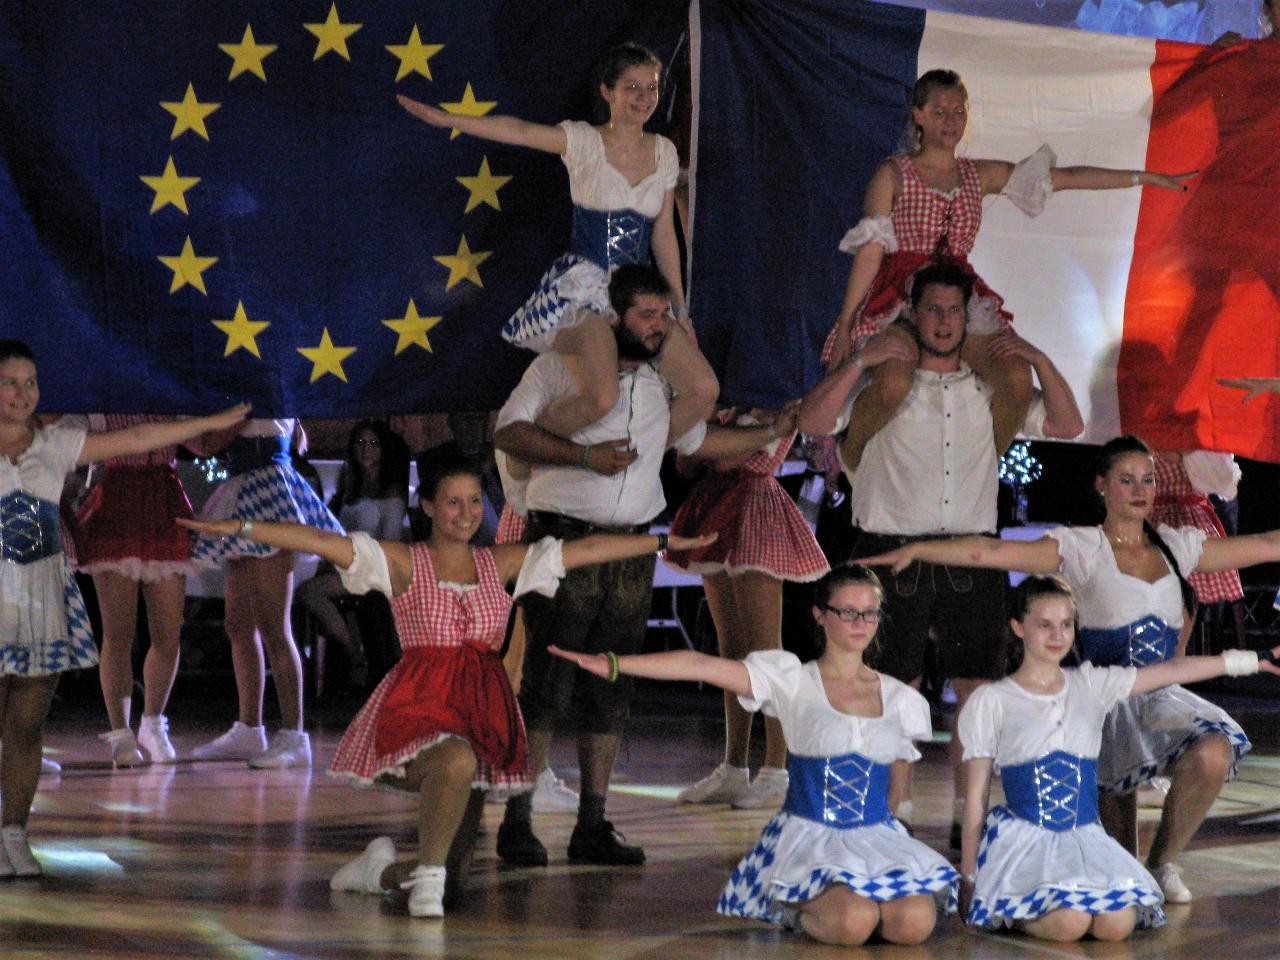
column 609, row 238
column 29, row 528
column 1147, row 641
column 1058, row 791
column 842, row 792
column 246, row 454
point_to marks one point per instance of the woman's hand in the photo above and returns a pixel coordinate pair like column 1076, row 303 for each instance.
column 898, row 559
column 596, row 663
column 1166, row 181
column 428, row 114
column 1252, row 386
column 229, row 417
column 1267, row 666
column 691, row 543
column 230, row 527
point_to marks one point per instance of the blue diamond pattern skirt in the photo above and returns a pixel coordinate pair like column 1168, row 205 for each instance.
column 44, row 627
column 1145, row 735
column 276, row 493
column 796, row 859
column 1025, row 871
column 572, row 284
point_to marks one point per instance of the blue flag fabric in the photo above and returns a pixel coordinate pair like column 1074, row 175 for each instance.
column 778, row 182
column 211, row 202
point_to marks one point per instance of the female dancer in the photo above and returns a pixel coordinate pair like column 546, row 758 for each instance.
column 372, row 497
column 1041, row 861
column 44, row 628
column 127, row 541
column 621, row 180
column 834, row 862
column 444, row 720
column 1129, row 577
column 259, row 590
column 926, row 205
column 763, row 541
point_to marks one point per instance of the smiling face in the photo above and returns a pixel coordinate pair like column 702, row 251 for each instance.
column 456, row 509
column 849, row 637
column 19, row 392
column 633, row 96
column 1048, row 629
column 942, row 120
column 1128, row 489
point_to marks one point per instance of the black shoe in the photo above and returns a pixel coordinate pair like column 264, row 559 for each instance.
column 955, row 835
column 603, row 844
column 519, row 847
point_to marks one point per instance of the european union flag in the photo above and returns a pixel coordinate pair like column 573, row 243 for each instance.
column 210, row 201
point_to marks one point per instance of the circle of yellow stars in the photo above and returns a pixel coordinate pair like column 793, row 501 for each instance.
column 169, row 189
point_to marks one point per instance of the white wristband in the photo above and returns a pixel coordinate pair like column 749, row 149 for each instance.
column 1240, row 663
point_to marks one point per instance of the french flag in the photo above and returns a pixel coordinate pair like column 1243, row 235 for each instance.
column 1143, row 297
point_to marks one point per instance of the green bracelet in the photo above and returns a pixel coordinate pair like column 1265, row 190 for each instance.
column 612, row 657
column 586, row 457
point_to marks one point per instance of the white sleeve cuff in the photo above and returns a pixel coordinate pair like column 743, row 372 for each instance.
column 692, row 440
column 1031, row 182
column 1211, row 472
column 368, row 570
column 870, row 230
column 543, row 568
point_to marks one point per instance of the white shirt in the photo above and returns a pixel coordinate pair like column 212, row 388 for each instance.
column 1109, row 598
column 642, row 415
column 933, row 468
column 1013, row 725
column 597, row 184
column 783, row 687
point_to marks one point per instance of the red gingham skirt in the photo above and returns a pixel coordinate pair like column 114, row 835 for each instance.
column 433, row 693
column 760, row 529
column 1198, row 512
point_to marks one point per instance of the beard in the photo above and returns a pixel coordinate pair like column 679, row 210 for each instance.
column 631, row 347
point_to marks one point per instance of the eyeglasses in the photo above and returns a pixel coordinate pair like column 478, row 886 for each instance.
column 850, row 615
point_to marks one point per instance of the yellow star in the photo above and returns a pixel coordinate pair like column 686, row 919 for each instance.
column 468, row 106
column 326, row 358
column 412, row 329
column 247, row 55
column 484, row 187
column 187, row 268
column 414, row 55
column 170, row 188
column 189, row 114
column 332, row 36
column 462, row 265
column 241, row 331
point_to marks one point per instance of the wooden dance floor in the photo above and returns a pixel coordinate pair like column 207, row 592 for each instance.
column 216, row 860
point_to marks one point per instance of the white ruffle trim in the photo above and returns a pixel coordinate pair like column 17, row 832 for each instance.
column 543, row 568
column 368, row 570
column 1031, row 181
column 144, row 571
column 1212, row 472
column 870, row 230
column 983, row 316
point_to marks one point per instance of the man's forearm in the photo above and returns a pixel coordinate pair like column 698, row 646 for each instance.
column 531, row 443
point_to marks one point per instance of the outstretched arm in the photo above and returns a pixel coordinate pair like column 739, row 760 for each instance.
column 1232, row 553
column 994, row 175
column 729, row 443
column 597, row 548
column 1193, row 669
column 144, row 437
column 728, row 675
column 502, row 129
column 1034, row 556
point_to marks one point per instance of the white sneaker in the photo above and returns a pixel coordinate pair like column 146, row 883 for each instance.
column 364, row 873
column 22, row 861
column 49, row 768
column 124, row 748
column 724, row 784
column 1169, row 876
column 153, row 737
column 426, row 891
column 552, row 795
column 238, row 743
column 289, row 748
column 767, row 790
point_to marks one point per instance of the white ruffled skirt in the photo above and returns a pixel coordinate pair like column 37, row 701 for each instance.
column 571, row 285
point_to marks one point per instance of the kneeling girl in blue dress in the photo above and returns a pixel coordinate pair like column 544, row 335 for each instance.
column 834, row 862
column 1041, row 862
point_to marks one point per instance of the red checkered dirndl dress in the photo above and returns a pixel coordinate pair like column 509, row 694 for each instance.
column 449, row 683
column 1179, row 504
column 760, row 527
column 930, row 225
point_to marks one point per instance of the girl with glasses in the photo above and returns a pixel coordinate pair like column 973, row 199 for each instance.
column 834, row 862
